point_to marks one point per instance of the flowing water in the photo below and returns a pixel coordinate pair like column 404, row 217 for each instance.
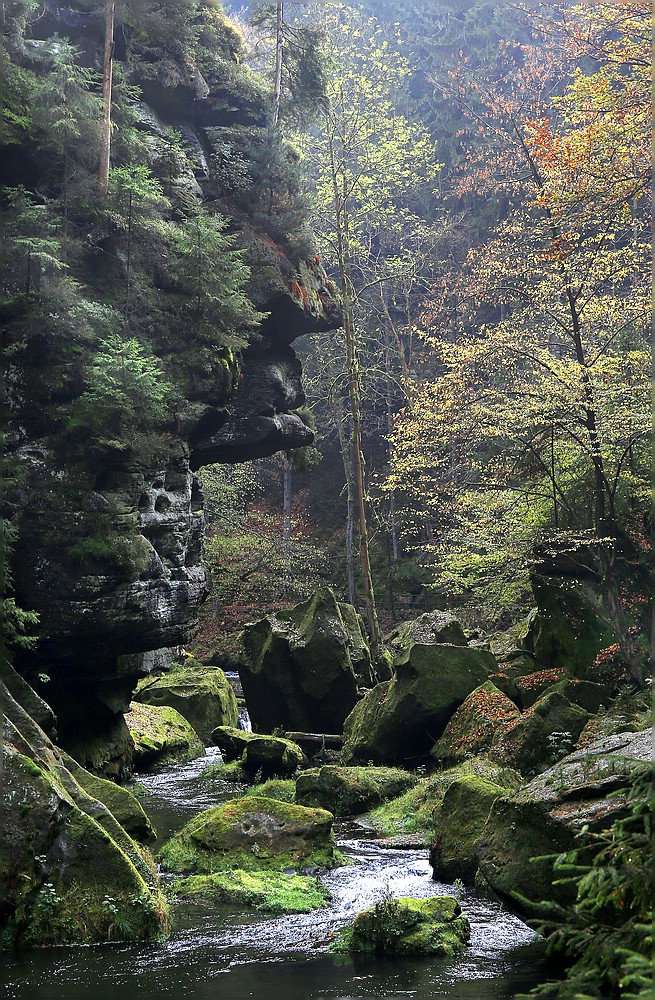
column 221, row 954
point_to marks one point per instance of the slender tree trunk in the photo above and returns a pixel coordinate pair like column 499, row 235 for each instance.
column 128, row 265
column 107, row 72
column 279, row 47
column 345, row 446
column 393, row 526
column 340, row 183
column 286, row 505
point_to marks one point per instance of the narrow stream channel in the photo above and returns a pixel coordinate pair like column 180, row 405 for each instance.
column 220, row 954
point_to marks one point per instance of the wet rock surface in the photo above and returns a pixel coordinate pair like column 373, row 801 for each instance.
column 302, row 668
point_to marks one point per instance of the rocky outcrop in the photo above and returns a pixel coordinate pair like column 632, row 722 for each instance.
column 543, row 734
column 302, row 668
column 399, row 721
column 71, row 874
column 477, row 726
column 464, row 813
column 202, row 695
column 590, row 611
column 524, row 832
column 252, row 833
column 110, row 529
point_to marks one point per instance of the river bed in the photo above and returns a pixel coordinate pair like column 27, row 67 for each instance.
column 216, row 953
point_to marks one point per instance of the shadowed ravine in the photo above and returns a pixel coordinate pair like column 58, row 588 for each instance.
column 217, row 952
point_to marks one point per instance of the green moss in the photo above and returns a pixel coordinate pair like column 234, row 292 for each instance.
column 464, row 813
column 419, row 809
column 268, row 891
column 202, row 695
column 347, row 791
column 231, row 773
column 278, row 788
column 408, row 926
column 161, row 735
column 253, row 833
column 121, row 803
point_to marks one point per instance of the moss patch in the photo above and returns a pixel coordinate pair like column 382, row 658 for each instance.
column 283, row 789
column 268, row 891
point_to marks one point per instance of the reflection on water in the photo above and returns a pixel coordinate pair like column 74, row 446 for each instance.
column 218, row 954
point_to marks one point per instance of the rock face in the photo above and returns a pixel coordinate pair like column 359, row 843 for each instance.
column 406, row 926
column 477, row 725
column 543, row 734
column 202, row 695
column 231, row 742
column 347, row 791
column 544, row 818
column 110, row 533
column 252, row 833
column 302, row 668
column 464, row 813
column 398, row 721
column 583, row 588
column 64, row 853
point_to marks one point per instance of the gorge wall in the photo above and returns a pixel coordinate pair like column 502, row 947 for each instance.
column 109, row 526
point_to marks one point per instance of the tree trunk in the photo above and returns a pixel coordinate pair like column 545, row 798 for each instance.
column 287, row 500
column 345, row 446
column 279, row 45
column 105, row 141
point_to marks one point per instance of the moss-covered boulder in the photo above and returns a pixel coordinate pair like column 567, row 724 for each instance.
column 231, row 742
column 203, row 695
column 301, row 669
column 586, row 694
column 273, row 756
column 252, row 833
column 543, row 734
column 418, row 812
column 70, row 873
column 551, row 815
column 119, row 801
column 464, row 812
column 348, row 791
column 406, row 926
column 272, row 892
column 161, row 736
column 530, row 687
column 477, row 725
column 432, row 627
column 398, row 721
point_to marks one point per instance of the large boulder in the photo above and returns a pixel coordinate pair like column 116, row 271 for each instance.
column 71, row 874
column 272, row 892
column 477, row 725
column 272, row 756
column 543, row 734
column 464, row 812
column 590, row 607
column 301, row 669
column 406, row 926
column 550, row 814
column 203, row 695
column 161, row 736
column 347, row 791
column 398, row 721
column 432, row 627
column 231, row 742
column 252, row 833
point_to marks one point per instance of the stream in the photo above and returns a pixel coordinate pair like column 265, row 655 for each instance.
column 218, row 953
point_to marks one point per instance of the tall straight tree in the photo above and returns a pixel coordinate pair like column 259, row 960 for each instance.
column 368, row 160
column 107, row 74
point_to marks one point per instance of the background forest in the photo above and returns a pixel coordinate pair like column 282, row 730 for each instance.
column 480, row 178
